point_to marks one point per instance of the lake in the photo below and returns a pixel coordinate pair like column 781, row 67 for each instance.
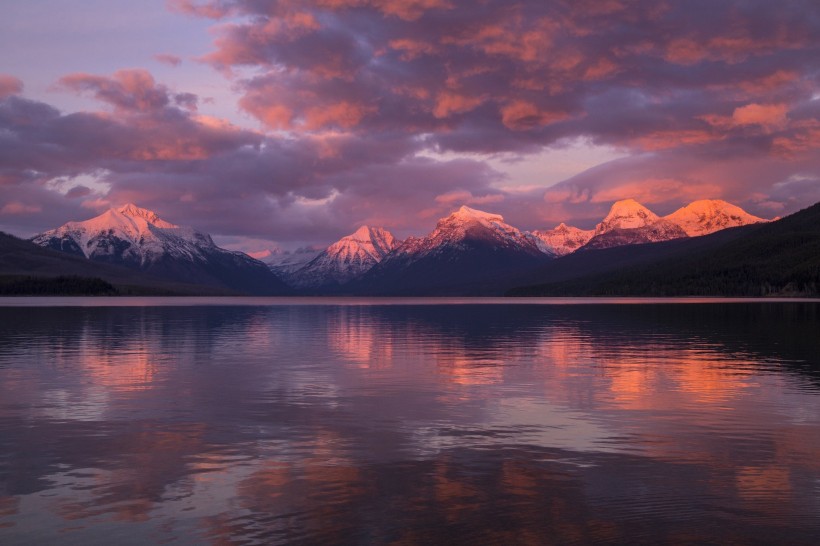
column 334, row 421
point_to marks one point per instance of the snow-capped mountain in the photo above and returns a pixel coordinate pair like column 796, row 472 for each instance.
column 465, row 228
column 629, row 222
column 464, row 253
column 626, row 214
column 137, row 238
column 128, row 234
column 659, row 230
column 564, row 239
column 346, row 259
column 710, row 215
column 284, row 262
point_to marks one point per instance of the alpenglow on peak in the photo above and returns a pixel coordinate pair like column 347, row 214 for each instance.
column 626, row 214
column 466, row 213
column 131, row 209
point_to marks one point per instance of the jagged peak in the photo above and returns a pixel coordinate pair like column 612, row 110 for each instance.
column 369, row 233
column 363, row 233
column 562, row 227
column 365, row 239
column 133, row 210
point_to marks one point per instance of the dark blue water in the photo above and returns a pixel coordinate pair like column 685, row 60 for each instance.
column 356, row 422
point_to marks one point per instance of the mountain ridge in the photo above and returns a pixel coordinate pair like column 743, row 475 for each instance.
column 139, row 239
column 781, row 257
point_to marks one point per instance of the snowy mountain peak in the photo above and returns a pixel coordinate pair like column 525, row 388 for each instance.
column 284, row 262
column 362, row 234
column 129, row 233
column 374, row 242
column 564, row 239
column 134, row 211
column 711, row 215
column 381, row 240
column 470, row 228
column 137, row 238
column 466, row 213
column 626, row 214
column 346, row 259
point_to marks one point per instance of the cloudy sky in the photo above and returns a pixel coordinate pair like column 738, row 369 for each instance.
column 288, row 122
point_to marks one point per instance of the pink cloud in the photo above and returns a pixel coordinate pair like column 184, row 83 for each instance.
column 212, row 9
column 411, row 49
column 464, row 197
column 9, row 85
column 658, row 190
column 409, row 10
column 769, row 116
column 449, row 103
column 341, row 114
column 126, row 90
column 16, row 207
column 523, row 115
column 167, row 58
column 700, row 100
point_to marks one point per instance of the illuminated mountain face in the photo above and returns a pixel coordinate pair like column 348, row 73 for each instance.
column 137, row 238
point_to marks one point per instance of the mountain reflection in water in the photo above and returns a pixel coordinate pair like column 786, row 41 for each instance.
column 411, row 424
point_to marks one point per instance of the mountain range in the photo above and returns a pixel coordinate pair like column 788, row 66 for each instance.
column 763, row 259
column 138, row 239
column 470, row 252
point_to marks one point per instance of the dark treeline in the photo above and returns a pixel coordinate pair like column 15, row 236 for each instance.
column 55, row 286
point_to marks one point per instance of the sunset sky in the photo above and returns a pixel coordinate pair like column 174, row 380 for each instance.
column 290, row 122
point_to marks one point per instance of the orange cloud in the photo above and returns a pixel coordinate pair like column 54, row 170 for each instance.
column 449, row 103
column 600, row 70
column 662, row 140
column 410, row 9
column 515, row 38
column 275, row 116
column 806, row 137
column 343, row 114
column 769, row 116
column 684, row 51
column 521, row 115
column 658, row 190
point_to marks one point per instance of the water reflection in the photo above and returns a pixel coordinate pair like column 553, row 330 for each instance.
column 410, row 424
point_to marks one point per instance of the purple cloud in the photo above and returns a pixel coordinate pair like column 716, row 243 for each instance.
column 705, row 99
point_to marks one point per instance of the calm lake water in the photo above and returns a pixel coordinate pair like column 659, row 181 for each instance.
column 396, row 422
